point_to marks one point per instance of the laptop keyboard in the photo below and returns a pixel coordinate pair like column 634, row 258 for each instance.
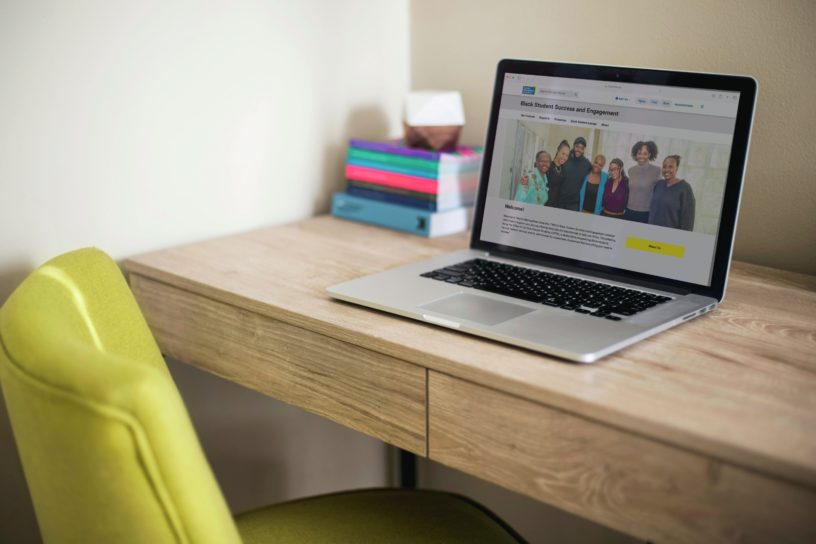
column 574, row 294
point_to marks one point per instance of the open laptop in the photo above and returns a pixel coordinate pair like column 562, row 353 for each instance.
column 569, row 258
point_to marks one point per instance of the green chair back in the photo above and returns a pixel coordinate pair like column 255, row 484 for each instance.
column 107, row 447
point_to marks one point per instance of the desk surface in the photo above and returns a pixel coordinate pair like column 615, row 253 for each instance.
column 734, row 389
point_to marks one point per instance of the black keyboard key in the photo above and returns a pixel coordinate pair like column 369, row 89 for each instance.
column 569, row 293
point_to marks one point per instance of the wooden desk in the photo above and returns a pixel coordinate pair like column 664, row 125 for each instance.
column 705, row 433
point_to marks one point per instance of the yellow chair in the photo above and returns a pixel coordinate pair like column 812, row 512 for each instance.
column 109, row 452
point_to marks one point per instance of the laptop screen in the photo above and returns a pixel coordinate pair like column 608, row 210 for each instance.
column 624, row 175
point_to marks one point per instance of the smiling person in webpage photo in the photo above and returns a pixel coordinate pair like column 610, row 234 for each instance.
column 533, row 187
column 576, row 167
column 616, row 193
column 673, row 203
column 555, row 176
column 592, row 190
column 642, row 179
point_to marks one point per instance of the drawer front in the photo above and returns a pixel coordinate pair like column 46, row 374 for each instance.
column 364, row 390
column 633, row 484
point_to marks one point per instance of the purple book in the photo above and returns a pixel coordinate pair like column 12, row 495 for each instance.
column 463, row 153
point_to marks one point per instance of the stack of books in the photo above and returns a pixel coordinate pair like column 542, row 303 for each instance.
column 429, row 193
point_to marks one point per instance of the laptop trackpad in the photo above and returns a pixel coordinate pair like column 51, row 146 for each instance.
column 477, row 308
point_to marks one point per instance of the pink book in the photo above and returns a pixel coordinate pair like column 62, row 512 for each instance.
column 444, row 184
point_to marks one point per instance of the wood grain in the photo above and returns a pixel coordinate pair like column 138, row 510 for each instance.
column 737, row 385
column 364, row 390
column 633, row 484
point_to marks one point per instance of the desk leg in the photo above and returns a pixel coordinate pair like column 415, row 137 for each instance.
column 407, row 470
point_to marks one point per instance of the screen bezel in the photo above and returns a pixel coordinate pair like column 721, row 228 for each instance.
column 745, row 85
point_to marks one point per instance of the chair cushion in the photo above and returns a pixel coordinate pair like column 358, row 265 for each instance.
column 379, row 516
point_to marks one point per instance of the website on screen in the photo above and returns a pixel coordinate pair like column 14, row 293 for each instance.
column 624, row 175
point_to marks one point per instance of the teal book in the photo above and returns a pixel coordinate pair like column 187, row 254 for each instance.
column 401, row 218
column 413, row 166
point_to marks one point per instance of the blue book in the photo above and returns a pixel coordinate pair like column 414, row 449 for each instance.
column 393, row 198
column 442, row 201
column 402, row 218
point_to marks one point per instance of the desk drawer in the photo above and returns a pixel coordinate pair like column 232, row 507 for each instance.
column 636, row 485
column 364, row 390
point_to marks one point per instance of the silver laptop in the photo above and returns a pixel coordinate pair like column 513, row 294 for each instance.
column 606, row 211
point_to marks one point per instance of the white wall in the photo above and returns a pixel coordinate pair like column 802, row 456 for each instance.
column 135, row 126
column 138, row 125
column 456, row 44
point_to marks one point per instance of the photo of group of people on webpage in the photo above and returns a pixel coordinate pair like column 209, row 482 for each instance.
column 646, row 192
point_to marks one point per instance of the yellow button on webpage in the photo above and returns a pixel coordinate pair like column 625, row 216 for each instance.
column 656, row 247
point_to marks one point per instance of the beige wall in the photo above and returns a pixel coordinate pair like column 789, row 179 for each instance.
column 456, row 44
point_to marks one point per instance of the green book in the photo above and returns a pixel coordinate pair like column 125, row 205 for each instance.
column 432, row 167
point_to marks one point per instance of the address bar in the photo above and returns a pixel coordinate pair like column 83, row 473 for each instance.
column 558, row 93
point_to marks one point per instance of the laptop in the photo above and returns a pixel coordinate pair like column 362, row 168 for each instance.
column 606, row 211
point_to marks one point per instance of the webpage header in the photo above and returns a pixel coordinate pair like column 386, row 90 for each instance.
column 650, row 97
column 595, row 114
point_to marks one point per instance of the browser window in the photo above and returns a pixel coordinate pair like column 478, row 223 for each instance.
column 624, row 175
